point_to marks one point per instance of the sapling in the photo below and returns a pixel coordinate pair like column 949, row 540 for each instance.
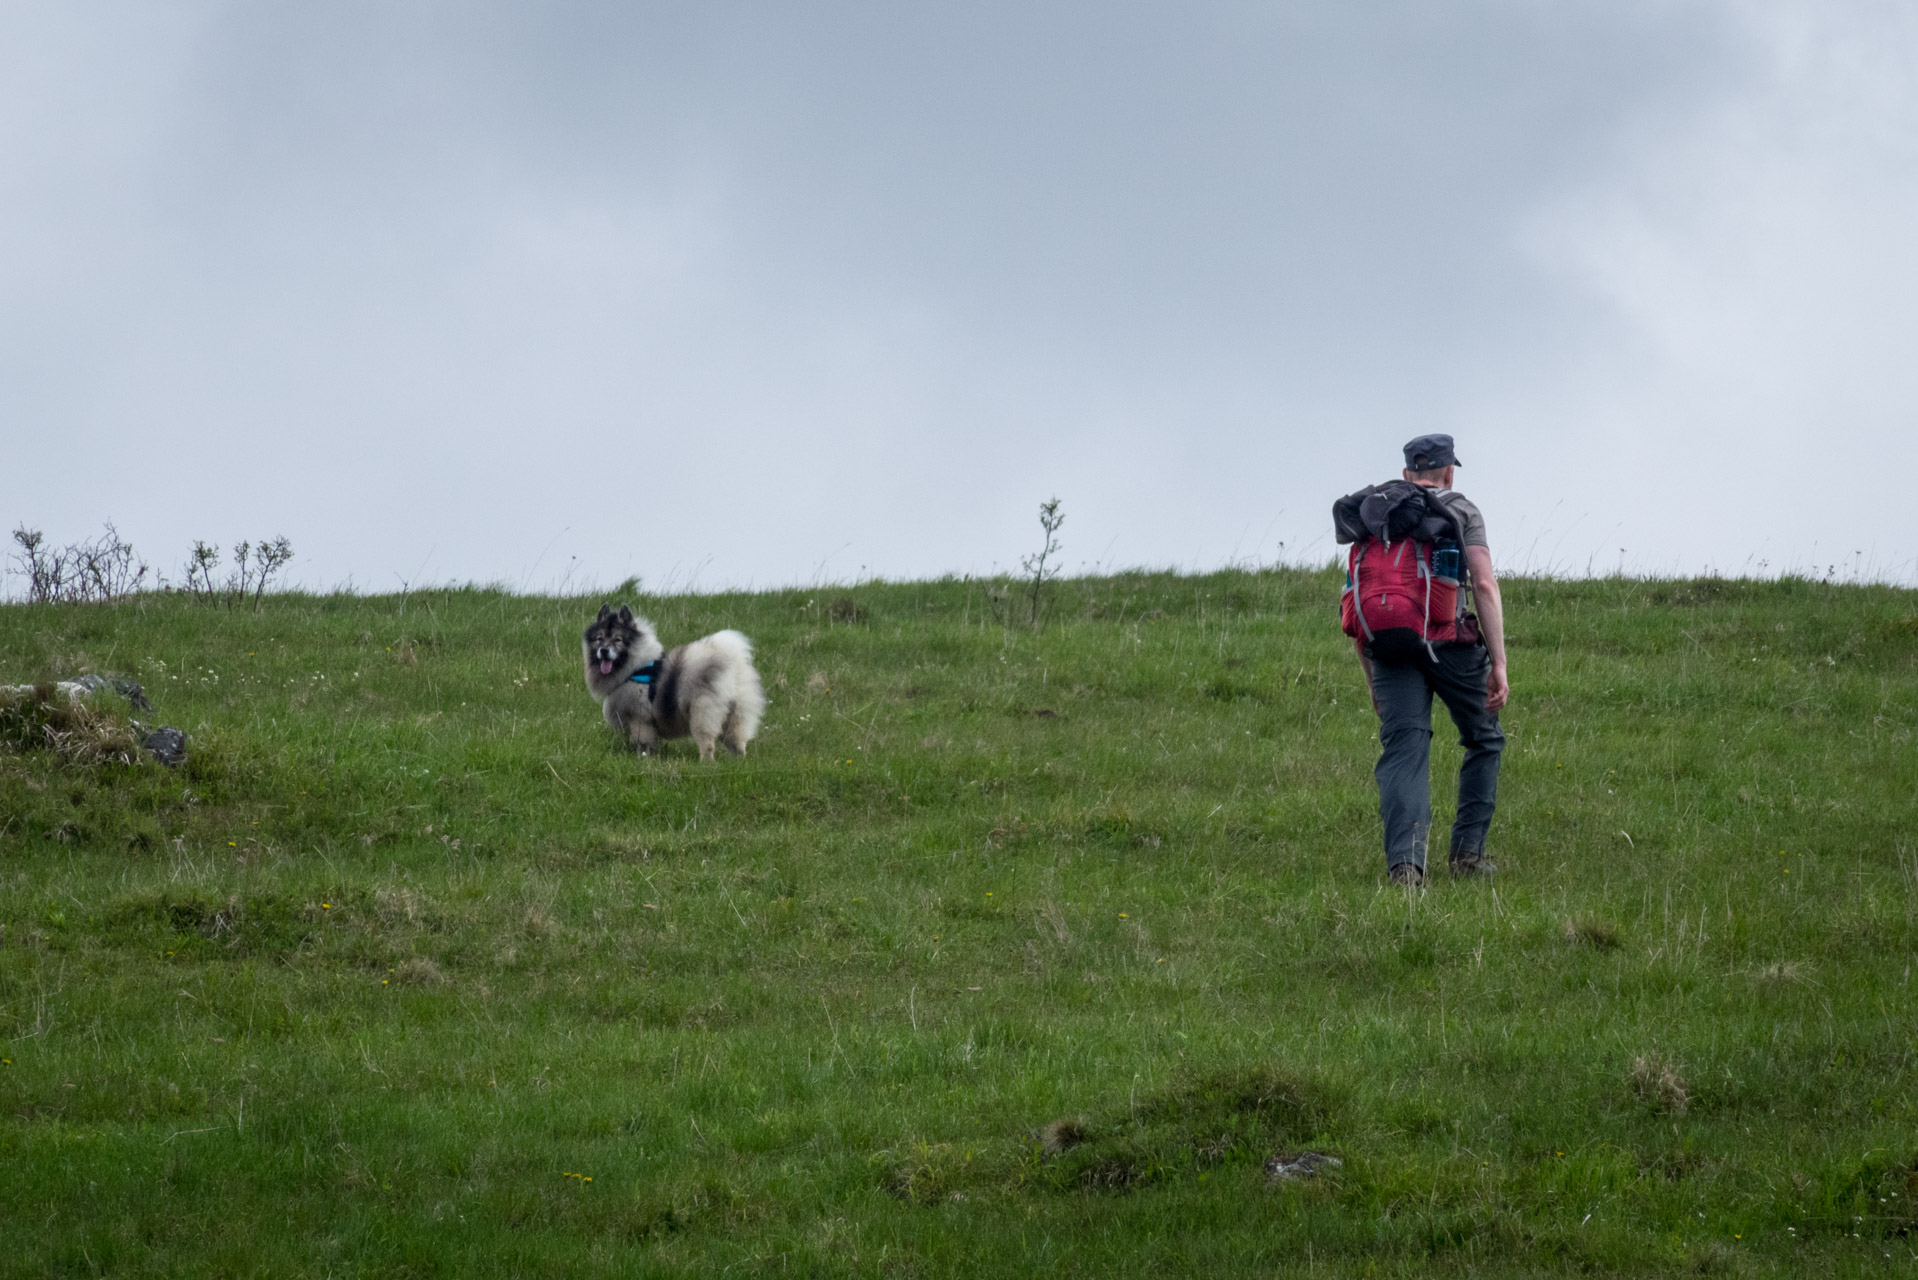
column 1042, row 567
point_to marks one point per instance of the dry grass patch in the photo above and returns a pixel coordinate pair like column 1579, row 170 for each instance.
column 1590, row 931
column 1658, row 1081
column 397, row 905
column 1783, row 973
column 45, row 718
column 420, row 972
column 1063, row 1135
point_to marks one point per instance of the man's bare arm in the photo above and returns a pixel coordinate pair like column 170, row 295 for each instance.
column 1491, row 621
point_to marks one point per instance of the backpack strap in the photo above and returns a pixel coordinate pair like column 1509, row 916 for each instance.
column 1425, row 615
column 1358, row 597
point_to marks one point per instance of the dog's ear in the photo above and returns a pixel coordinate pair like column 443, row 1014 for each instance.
column 625, row 615
column 605, row 612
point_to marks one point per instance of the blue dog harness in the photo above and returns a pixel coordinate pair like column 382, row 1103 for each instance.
column 648, row 675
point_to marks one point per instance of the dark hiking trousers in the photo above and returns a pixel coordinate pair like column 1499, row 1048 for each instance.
column 1405, row 732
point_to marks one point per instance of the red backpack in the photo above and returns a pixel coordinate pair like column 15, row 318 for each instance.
column 1401, row 590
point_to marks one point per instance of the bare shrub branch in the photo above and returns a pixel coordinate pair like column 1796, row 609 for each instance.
column 255, row 566
column 269, row 558
column 98, row 571
column 200, row 563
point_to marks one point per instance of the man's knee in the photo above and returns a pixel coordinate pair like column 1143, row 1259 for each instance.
column 1484, row 736
column 1398, row 734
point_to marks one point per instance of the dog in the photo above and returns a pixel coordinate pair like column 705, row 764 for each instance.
column 708, row 690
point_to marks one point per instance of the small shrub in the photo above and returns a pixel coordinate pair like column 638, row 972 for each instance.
column 255, row 565
column 100, row 571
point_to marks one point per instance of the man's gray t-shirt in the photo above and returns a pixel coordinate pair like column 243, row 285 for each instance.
column 1468, row 515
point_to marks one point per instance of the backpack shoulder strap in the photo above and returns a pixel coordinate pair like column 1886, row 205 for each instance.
column 1358, row 600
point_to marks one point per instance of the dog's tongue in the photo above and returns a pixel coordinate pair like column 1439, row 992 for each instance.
column 606, row 668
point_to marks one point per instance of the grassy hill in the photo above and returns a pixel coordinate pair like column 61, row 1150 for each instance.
column 1000, row 953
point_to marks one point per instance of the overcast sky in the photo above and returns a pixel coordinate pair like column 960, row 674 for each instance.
column 719, row 294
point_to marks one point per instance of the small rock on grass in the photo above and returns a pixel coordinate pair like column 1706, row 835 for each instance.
column 128, row 689
column 165, row 744
column 1303, row 1164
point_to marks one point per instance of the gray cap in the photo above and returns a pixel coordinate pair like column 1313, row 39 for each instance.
column 1429, row 453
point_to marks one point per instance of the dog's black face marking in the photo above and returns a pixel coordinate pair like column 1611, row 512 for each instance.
column 609, row 639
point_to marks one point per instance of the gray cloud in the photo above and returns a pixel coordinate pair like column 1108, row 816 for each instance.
column 728, row 294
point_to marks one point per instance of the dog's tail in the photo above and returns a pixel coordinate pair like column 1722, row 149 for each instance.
column 736, row 647
column 748, row 697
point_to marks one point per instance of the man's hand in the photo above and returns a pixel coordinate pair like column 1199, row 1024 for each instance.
column 1491, row 617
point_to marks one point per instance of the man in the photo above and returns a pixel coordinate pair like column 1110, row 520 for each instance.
column 1469, row 677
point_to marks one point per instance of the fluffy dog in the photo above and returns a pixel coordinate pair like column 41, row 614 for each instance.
column 706, row 690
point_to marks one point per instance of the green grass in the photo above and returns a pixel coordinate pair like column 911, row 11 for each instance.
column 1001, row 952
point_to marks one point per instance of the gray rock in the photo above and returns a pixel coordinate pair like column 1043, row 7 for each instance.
column 128, row 689
column 87, row 686
column 165, row 744
column 1304, row 1164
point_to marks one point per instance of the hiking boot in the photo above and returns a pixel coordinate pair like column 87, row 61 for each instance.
column 1406, row 876
column 1467, row 866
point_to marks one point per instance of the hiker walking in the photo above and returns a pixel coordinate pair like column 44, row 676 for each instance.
column 1408, row 607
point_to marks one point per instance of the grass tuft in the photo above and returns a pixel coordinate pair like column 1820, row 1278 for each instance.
column 1590, row 931
column 420, row 972
column 1657, row 1081
column 1784, row 973
column 74, row 730
column 1063, row 1135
